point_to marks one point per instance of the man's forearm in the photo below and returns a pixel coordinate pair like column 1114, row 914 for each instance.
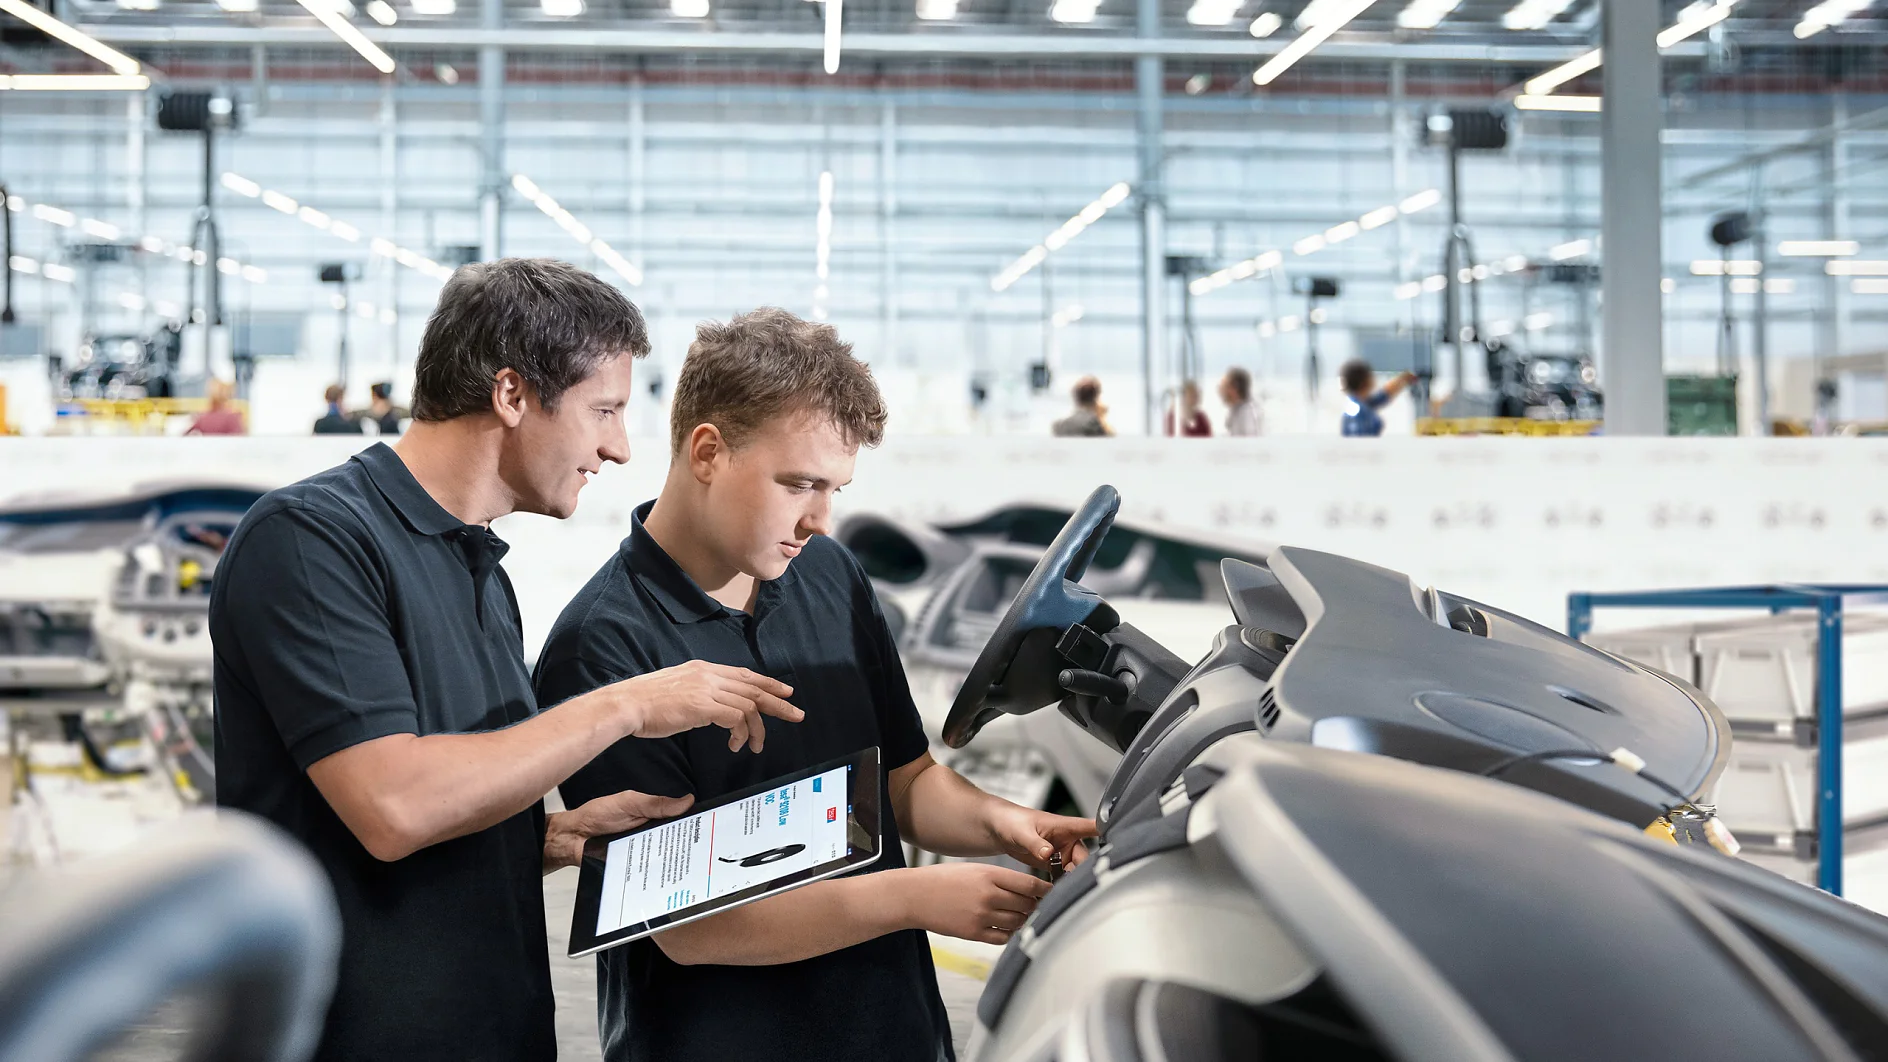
column 402, row 793
column 941, row 812
column 818, row 919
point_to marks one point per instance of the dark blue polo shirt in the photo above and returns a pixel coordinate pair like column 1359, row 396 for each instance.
column 351, row 606
column 817, row 628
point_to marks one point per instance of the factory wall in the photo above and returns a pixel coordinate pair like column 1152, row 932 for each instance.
column 714, row 192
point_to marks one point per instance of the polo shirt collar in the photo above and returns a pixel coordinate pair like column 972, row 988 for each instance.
column 674, row 589
column 404, row 493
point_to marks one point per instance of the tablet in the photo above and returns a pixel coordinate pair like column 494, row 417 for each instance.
column 742, row 847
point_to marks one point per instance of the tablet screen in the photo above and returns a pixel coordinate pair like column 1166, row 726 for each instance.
column 739, row 848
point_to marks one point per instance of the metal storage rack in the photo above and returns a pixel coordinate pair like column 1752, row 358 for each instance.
column 1827, row 602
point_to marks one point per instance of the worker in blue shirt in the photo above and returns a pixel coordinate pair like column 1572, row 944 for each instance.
column 1362, row 399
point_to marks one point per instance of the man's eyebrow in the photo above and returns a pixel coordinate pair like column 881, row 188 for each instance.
column 808, row 477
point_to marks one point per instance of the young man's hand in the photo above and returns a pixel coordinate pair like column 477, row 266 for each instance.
column 971, row 901
column 1030, row 836
column 699, row 693
column 566, row 831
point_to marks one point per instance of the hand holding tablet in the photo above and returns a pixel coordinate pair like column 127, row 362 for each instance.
column 739, row 848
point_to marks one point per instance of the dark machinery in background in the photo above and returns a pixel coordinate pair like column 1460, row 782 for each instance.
column 205, row 113
column 1549, row 385
column 1313, row 289
column 123, row 366
column 1459, row 130
column 339, row 274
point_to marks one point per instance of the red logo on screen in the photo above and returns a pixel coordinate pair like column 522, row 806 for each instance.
column 832, row 814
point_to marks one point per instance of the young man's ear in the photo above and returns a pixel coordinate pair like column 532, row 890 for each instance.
column 509, row 392
column 704, row 445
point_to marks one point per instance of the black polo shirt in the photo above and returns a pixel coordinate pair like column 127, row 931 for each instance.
column 351, row 606
column 817, row 628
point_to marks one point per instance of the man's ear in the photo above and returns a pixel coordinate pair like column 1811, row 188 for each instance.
column 704, row 446
column 510, row 397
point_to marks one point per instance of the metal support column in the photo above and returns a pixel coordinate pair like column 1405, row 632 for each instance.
column 887, row 229
column 1829, row 818
column 1632, row 367
column 389, row 223
column 1150, row 75
column 492, row 177
column 638, row 173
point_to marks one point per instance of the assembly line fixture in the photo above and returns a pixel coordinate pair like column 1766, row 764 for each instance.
column 1828, row 601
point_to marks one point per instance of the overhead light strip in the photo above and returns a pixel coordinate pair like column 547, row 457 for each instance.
column 1267, row 261
column 105, row 230
column 1331, row 17
column 1059, row 239
column 1551, row 102
column 119, row 62
column 330, row 15
column 1426, row 14
column 833, row 10
column 1827, row 14
column 317, row 219
column 1695, row 19
column 576, row 229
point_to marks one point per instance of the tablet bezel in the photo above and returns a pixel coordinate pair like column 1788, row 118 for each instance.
column 862, row 796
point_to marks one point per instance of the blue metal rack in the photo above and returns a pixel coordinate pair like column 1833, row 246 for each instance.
column 1828, row 601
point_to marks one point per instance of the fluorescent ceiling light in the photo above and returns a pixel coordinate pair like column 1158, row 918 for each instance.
column 561, row 8
column 1779, row 286
column 1425, row 14
column 688, row 8
column 1535, row 322
column 382, row 12
column 831, row 42
column 1073, row 11
column 138, row 5
column 1309, row 245
column 1869, row 287
column 1378, row 218
column 280, row 202
column 1572, row 249
column 1067, row 315
column 1330, row 16
column 236, row 182
column 74, row 82
column 1581, row 104
column 1695, row 19
column 937, row 10
column 1213, row 12
column 237, row 7
column 1565, row 72
column 119, row 62
column 1699, row 16
column 104, row 230
column 62, row 218
column 1818, row 248
column 1409, row 290
column 541, row 199
column 435, row 7
column 345, row 30
column 1340, row 233
column 1422, row 200
column 1827, row 14
column 1534, row 14
column 1265, row 25
column 1856, row 268
column 1073, row 227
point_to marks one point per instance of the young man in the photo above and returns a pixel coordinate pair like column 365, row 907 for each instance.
column 732, row 564
column 371, row 692
column 1362, row 399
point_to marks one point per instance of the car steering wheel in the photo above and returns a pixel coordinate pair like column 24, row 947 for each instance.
column 1016, row 672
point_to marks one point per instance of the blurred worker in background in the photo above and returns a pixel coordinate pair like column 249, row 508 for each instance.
column 1362, row 399
column 1089, row 417
column 381, row 410
column 220, row 418
column 1194, row 423
column 1242, row 413
column 335, row 422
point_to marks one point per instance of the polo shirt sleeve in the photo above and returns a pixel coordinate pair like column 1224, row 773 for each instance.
column 900, row 727
column 648, row 765
column 306, row 604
